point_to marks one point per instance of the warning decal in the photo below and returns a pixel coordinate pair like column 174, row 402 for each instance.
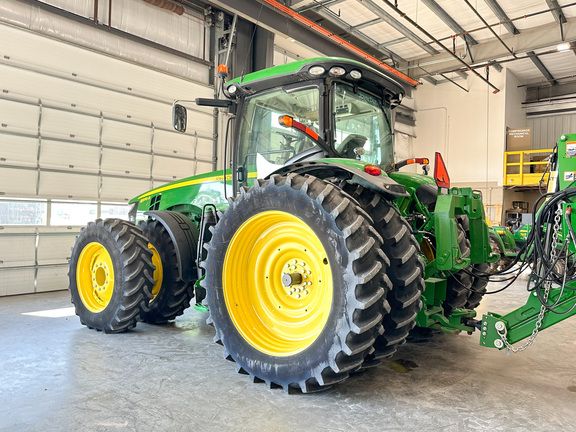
column 570, row 149
column 569, row 175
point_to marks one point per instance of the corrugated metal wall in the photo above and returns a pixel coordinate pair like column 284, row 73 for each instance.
column 547, row 129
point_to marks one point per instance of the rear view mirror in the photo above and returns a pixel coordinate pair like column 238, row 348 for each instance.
column 179, row 117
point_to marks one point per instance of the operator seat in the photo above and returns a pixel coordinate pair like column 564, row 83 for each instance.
column 352, row 141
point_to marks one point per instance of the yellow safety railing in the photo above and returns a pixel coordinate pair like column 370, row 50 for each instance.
column 525, row 168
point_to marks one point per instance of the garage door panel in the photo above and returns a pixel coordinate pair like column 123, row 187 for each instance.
column 125, row 162
column 18, row 150
column 54, row 249
column 20, row 252
column 18, row 116
column 70, row 124
column 204, row 150
column 123, row 134
column 15, row 182
column 80, row 157
column 204, row 168
column 174, row 143
column 52, row 278
column 117, row 189
column 16, row 281
column 63, row 185
column 172, row 168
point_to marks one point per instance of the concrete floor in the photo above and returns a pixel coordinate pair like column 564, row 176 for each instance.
column 56, row 375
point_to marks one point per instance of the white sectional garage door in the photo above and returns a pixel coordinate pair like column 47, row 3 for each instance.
column 80, row 134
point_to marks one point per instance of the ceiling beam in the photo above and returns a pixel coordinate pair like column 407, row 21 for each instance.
column 556, row 11
column 430, row 80
column 276, row 22
column 501, row 15
column 449, row 21
column 318, row 5
column 542, row 37
column 390, row 20
column 543, row 70
column 344, row 27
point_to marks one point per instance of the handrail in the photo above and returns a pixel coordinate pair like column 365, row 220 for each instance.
column 525, row 167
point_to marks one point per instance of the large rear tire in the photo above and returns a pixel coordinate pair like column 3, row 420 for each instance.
column 296, row 283
column 405, row 271
column 111, row 275
column 171, row 294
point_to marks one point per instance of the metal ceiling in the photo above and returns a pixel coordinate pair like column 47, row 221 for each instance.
column 441, row 40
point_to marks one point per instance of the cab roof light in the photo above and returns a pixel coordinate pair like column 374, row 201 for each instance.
column 440, row 172
column 337, row 71
column 316, row 70
column 355, row 74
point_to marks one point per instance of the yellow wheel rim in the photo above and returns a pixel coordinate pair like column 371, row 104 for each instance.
column 277, row 283
column 158, row 272
column 95, row 277
column 427, row 250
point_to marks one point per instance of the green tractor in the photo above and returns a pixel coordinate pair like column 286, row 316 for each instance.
column 315, row 254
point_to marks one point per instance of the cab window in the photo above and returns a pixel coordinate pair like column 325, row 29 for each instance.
column 264, row 144
column 361, row 126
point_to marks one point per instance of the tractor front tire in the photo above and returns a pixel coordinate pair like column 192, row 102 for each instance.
column 111, row 275
column 296, row 283
column 171, row 295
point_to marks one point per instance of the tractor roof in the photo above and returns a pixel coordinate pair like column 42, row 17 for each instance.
column 300, row 71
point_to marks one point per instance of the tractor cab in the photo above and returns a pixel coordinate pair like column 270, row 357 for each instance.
column 305, row 111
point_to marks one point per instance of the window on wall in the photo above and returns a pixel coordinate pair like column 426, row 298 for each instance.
column 34, row 212
column 14, row 211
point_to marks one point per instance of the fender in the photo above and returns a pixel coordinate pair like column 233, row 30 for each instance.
column 184, row 235
column 323, row 169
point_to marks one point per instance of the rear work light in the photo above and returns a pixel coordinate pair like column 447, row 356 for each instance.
column 372, row 170
column 440, row 172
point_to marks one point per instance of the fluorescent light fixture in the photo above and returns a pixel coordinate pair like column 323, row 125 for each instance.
column 563, row 46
